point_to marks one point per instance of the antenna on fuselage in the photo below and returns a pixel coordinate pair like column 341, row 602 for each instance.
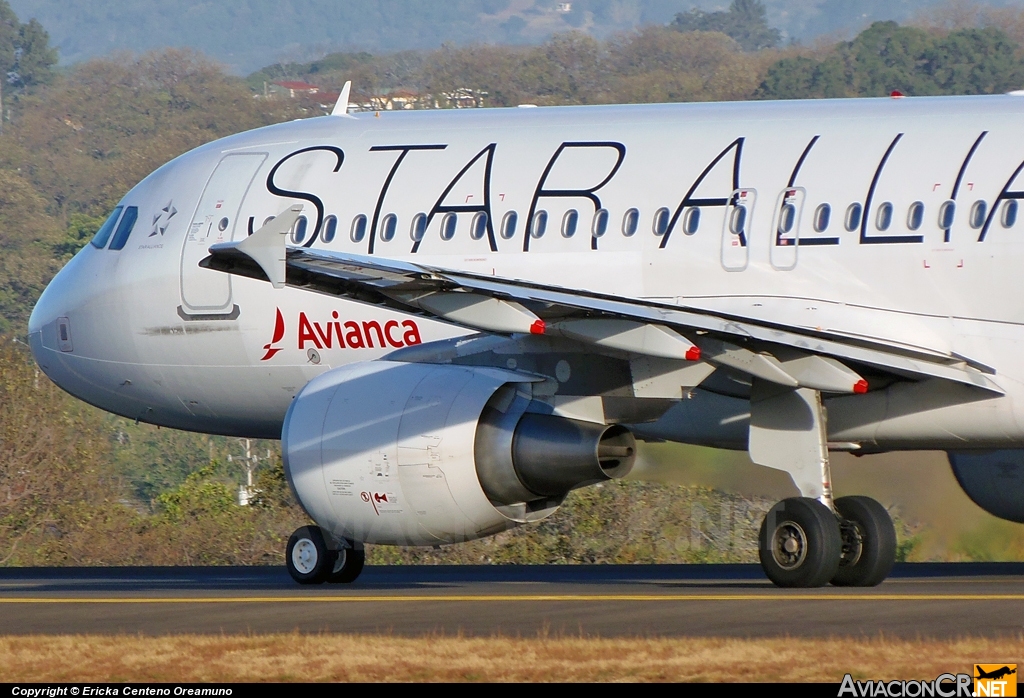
column 341, row 106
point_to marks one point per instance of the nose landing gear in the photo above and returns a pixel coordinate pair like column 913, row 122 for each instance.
column 310, row 561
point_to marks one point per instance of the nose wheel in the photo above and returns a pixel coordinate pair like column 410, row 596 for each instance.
column 310, row 561
column 348, row 564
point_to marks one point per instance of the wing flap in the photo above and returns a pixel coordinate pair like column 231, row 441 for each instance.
column 739, row 343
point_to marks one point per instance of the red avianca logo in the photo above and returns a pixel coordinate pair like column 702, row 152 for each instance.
column 348, row 334
column 278, row 336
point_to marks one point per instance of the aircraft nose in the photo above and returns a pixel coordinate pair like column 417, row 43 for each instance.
column 49, row 326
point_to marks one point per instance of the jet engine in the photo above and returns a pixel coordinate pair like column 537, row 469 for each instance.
column 424, row 454
column 994, row 480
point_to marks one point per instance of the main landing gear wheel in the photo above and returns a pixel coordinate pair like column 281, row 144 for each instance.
column 348, row 563
column 800, row 544
column 869, row 543
column 307, row 556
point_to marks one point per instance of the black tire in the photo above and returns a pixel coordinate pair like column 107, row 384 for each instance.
column 799, row 543
column 348, row 564
column 308, row 559
column 869, row 543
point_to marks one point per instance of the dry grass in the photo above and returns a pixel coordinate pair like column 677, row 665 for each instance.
column 296, row 657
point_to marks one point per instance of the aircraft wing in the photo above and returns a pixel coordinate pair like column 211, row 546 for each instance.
column 786, row 355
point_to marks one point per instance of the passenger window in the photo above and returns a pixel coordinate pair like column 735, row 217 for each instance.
column 947, row 212
column 1009, row 215
column 388, row 227
column 268, row 219
column 822, row 217
column 479, row 227
column 330, row 228
column 419, row 227
column 508, row 225
column 915, row 216
column 853, row 214
column 600, row 225
column 661, row 218
column 124, row 228
column 540, row 224
column 358, row 228
column 570, row 221
column 787, row 218
column 738, row 220
column 103, row 234
column 978, row 211
column 630, row 222
column 691, row 221
column 299, row 230
column 448, row 226
column 883, row 217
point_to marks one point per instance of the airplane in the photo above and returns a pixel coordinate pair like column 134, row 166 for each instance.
column 453, row 318
column 995, row 674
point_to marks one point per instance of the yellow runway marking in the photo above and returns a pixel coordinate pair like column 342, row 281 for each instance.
column 510, row 597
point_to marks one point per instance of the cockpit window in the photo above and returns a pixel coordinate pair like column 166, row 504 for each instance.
column 103, row 234
column 124, row 229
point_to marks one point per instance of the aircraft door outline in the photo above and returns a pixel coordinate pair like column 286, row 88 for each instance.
column 783, row 250
column 739, row 214
column 207, row 294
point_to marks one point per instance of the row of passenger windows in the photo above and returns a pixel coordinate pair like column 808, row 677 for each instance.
column 507, row 228
column 123, row 229
column 121, row 226
column 689, row 221
column 884, row 214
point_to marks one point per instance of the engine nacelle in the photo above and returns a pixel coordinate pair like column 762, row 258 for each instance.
column 422, row 454
column 994, row 480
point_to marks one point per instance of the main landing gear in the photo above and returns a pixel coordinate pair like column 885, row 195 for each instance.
column 802, row 543
column 310, row 561
column 813, row 540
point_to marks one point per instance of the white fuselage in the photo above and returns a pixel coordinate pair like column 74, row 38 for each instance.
column 155, row 337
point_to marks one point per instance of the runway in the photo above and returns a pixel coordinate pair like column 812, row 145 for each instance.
column 919, row 600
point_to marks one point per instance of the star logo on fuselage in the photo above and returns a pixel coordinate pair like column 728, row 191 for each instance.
column 163, row 219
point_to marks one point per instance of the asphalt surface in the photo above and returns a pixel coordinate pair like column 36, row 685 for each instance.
column 919, row 600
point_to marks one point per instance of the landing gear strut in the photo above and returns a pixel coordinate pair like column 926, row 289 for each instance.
column 310, row 561
column 812, row 540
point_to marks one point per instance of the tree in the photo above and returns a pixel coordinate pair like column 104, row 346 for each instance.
column 659, row 65
column 974, row 61
column 26, row 57
column 887, row 57
column 800, row 77
column 745, row 21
